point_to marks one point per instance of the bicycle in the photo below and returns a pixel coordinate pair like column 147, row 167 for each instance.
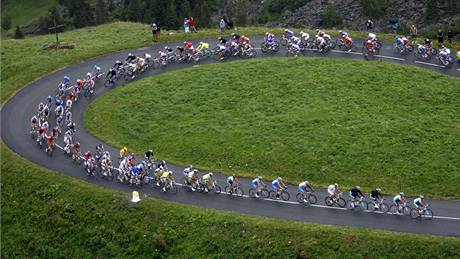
column 306, row 196
column 262, row 193
column 213, row 188
column 426, row 212
column 285, row 196
column 396, row 209
column 357, row 203
column 379, row 205
column 234, row 190
column 337, row 200
column 169, row 187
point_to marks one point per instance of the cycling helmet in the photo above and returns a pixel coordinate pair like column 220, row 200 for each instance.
column 378, row 189
column 49, row 98
column 118, row 62
column 159, row 52
column 336, row 184
column 79, row 81
column 166, row 47
column 130, row 54
column 195, row 171
column 78, row 143
column 266, row 34
column 66, row 79
column 125, row 148
column 358, row 187
column 34, row 119
column 201, row 42
column 259, row 177
column 279, row 178
column 307, row 182
column 178, row 47
column 340, row 31
column 210, row 174
column 220, row 38
column 150, row 151
column 317, row 30
column 422, row 197
column 170, row 172
column 97, row 68
column 401, row 193
column 191, row 166
column 286, row 30
column 88, row 74
column 185, row 42
column 233, row 34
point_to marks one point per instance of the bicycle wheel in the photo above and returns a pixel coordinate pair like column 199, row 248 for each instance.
column 363, row 205
column 393, row 209
column 217, row 189
column 299, row 197
column 227, row 190
column 415, row 214
column 328, row 201
column 239, row 192
column 383, row 207
column 252, row 193
column 271, row 194
column 312, row 199
column 428, row 214
column 285, row 195
column 407, row 210
column 264, row 193
column 146, row 180
column 283, row 41
column 351, row 205
column 341, row 202
column 173, row 188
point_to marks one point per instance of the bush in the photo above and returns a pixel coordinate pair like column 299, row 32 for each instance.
column 6, row 22
column 331, row 18
column 18, row 33
column 374, row 8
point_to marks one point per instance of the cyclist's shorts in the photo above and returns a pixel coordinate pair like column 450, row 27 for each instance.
column 275, row 186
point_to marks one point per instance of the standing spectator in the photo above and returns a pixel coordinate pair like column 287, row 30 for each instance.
column 440, row 37
column 450, row 36
column 154, row 31
column 222, row 25
column 394, row 24
column 370, row 25
column 186, row 25
column 191, row 23
column 157, row 34
column 413, row 32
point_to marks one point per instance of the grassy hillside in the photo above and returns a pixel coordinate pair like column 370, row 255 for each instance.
column 22, row 11
column 294, row 118
column 49, row 215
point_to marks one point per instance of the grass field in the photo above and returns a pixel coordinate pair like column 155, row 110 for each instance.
column 306, row 118
column 23, row 11
column 51, row 216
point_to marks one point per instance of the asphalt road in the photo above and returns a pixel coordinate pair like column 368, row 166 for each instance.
column 16, row 114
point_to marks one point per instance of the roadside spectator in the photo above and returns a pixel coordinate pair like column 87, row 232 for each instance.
column 157, row 35
column 440, row 37
column 222, row 25
column 394, row 24
column 370, row 25
column 413, row 32
column 191, row 23
column 154, row 31
column 450, row 36
column 186, row 25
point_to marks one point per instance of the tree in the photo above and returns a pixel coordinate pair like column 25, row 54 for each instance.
column 6, row 22
column 18, row 33
column 101, row 13
column 330, row 17
column 81, row 13
column 374, row 8
column 135, row 11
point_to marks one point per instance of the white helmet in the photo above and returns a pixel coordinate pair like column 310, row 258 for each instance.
column 210, row 174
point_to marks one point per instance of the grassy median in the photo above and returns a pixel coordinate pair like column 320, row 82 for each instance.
column 326, row 120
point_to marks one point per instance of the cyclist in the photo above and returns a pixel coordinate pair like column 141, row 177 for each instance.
column 111, row 74
column 288, row 33
column 277, row 184
column 130, row 58
column 333, row 191
column 180, row 51
column 320, row 42
column 232, row 182
column 257, row 184
column 444, row 52
column 123, row 152
column 399, row 200
column 376, row 196
column 50, row 140
column 135, row 172
column 33, row 124
column 208, row 181
column 97, row 71
column 356, row 194
column 192, row 179
column 66, row 80
column 188, row 170
column 372, row 36
column 149, row 155
column 166, row 179
column 75, row 150
column 422, row 49
column 458, row 54
column 203, row 47
column 118, row 64
column 305, row 188
column 419, row 204
column 245, row 42
column 304, row 37
column 235, row 37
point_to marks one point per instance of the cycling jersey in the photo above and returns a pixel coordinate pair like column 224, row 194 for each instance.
column 276, row 184
column 187, row 171
column 331, row 189
column 191, row 175
column 203, row 46
column 131, row 58
column 375, row 194
column 188, row 44
column 230, row 180
column 289, row 33
column 255, row 183
column 206, row 178
column 355, row 192
column 303, row 186
column 418, row 202
column 148, row 154
column 397, row 199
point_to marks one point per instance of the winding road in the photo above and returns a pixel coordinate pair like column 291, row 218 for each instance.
column 17, row 111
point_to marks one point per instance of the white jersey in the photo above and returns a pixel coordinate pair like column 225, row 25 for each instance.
column 331, row 188
column 372, row 36
column 303, row 185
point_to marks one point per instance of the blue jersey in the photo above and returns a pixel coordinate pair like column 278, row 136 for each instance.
column 290, row 33
column 135, row 170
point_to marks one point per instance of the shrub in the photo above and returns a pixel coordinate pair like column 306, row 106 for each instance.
column 18, row 33
column 6, row 22
column 374, row 8
column 330, row 17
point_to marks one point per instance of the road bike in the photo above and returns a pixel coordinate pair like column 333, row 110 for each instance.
column 401, row 208
column 359, row 203
column 337, row 200
column 234, row 190
column 283, row 194
column 262, row 193
column 378, row 205
column 425, row 213
column 301, row 197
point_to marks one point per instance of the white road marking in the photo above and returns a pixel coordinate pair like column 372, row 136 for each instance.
column 430, row 64
column 351, row 52
column 388, row 57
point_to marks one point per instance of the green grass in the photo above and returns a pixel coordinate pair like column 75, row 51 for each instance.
column 23, row 11
column 49, row 215
column 325, row 120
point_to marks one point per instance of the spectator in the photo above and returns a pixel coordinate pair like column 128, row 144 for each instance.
column 191, row 23
column 413, row 32
column 394, row 24
column 450, row 36
column 222, row 25
column 440, row 37
column 186, row 25
column 157, row 35
column 154, row 31
column 370, row 25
